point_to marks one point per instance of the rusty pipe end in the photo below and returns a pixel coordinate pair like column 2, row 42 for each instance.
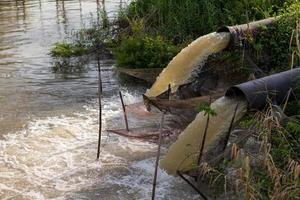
column 240, row 33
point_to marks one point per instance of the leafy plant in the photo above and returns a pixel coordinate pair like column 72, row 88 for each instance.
column 177, row 20
column 205, row 107
column 274, row 48
column 68, row 50
column 142, row 51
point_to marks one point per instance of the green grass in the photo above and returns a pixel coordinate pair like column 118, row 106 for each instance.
column 272, row 49
column 177, row 23
column 144, row 52
column 66, row 50
column 178, row 20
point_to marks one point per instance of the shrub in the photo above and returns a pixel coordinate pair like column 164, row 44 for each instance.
column 273, row 46
column 144, row 52
column 177, row 19
column 67, row 50
column 97, row 38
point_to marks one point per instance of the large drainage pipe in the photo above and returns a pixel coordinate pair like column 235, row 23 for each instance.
column 184, row 152
column 242, row 32
column 274, row 87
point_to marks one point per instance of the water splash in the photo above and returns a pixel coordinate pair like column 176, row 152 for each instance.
column 183, row 154
column 54, row 158
column 181, row 67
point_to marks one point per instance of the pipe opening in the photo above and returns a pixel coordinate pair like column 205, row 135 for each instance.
column 273, row 88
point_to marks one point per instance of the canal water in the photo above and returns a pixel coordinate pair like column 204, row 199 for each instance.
column 48, row 119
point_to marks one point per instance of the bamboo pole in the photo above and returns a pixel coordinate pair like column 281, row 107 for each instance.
column 230, row 127
column 169, row 91
column 100, row 106
column 157, row 155
column 192, row 185
column 124, row 111
column 204, row 137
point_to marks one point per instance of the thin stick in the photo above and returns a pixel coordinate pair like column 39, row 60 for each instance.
column 157, row 155
column 124, row 111
column 99, row 74
column 100, row 106
column 169, row 91
column 230, row 127
column 287, row 99
column 192, row 185
column 204, row 137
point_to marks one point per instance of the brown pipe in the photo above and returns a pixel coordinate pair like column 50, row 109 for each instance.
column 240, row 33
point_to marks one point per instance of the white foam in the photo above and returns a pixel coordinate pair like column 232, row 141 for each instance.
column 55, row 157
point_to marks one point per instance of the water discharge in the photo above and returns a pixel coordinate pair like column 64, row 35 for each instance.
column 181, row 67
column 183, row 154
column 54, row 158
column 48, row 118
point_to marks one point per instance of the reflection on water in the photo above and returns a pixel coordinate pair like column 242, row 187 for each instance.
column 48, row 118
column 28, row 28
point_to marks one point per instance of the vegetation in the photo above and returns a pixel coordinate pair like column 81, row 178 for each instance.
column 145, row 52
column 163, row 25
column 149, row 33
column 177, row 20
column 205, row 107
column 68, row 50
column 276, row 45
column 94, row 40
column 271, row 171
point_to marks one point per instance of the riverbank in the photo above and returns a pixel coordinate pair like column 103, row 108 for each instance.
column 265, row 163
column 48, row 119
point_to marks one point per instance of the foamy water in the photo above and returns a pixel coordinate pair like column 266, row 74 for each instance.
column 190, row 58
column 48, row 139
column 54, row 158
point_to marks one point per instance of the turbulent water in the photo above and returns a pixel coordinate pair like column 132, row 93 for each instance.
column 181, row 67
column 183, row 154
column 54, row 158
column 48, row 119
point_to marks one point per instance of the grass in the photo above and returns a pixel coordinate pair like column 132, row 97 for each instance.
column 178, row 20
column 96, row 39
column 270, row 172
column 150, row 33
column 276, row 47
column 139, row 49
column 66, row 50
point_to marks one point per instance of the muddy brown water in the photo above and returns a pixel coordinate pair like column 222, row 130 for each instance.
column 48, row 119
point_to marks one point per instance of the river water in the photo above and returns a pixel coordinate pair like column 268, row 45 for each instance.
column 48, row 119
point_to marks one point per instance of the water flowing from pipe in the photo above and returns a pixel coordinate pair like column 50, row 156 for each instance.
column 183, row 154
column 181, row 67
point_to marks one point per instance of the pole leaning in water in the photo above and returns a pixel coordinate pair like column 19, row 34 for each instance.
column 157, row 155
column 124, row 111
column 100, row 106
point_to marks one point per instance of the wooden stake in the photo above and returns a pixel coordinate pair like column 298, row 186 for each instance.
column 100, row 107
column 192, row 185
column 230, row 127
column 157, row 155
column 169, row 91
column 204, row 137
column 124, row 111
